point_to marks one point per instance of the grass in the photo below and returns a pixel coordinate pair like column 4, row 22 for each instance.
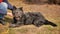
column 51, row 12
column 11, row 31
column 22, row 30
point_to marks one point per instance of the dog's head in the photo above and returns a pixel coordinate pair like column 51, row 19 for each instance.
column 17, row 12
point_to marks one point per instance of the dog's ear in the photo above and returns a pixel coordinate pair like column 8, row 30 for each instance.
column 21, row 8
column 14, row 8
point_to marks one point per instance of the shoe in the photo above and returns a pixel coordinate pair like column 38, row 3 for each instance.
column 2, row 22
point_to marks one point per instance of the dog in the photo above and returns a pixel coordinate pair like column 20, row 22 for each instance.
column 35, row 18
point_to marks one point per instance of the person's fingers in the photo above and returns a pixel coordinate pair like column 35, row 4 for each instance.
column 10, row 14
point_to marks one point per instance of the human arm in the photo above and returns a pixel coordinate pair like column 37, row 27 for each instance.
column 9, row 5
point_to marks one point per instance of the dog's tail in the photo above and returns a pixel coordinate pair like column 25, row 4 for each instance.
column 49, row 23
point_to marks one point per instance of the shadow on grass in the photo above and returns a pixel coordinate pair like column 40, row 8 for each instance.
column 40, row 2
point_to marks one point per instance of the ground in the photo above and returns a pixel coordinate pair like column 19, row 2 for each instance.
column 50, row 12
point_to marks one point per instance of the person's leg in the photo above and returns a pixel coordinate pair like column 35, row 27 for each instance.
column 3, row 7
column 3, row 11
column 1, row 19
